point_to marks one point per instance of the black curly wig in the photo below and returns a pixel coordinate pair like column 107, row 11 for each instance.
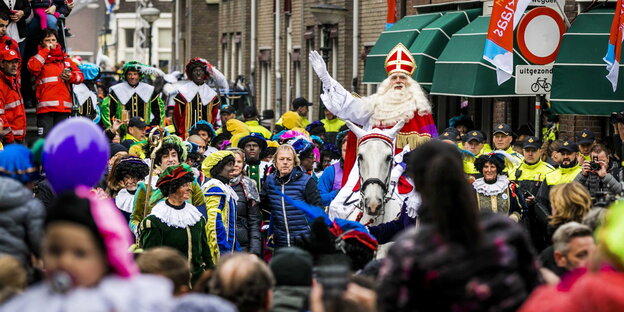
column 316, row 128
column 307, row 153
column 342, row 135
column 220, row 138
column 321, row 243
column 131, row 166
column 218, row 168
column 359, row 254
column 202, row 127
column 196, row 159
column 495, row 159
column 164, row 150
column 268, row 152
column 169, row 188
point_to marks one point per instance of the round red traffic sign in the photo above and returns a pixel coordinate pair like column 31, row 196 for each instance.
column 539, row 35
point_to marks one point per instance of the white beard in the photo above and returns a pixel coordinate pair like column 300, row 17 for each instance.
column 389, row 106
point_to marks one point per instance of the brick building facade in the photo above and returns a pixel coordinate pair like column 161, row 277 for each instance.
column 277, row 79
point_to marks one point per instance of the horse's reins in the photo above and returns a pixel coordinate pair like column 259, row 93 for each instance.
column 370, row 181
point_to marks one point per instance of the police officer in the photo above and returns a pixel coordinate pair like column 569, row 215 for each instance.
column 532, row 172
column 502, row 138
column 450, row 135
column 529, row 176
column 567, row 171
column 585, row 140
column 473, row 141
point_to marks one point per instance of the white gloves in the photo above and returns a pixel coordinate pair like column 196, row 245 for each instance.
column 320, row 68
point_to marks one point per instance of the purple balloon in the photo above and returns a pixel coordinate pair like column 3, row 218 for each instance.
column 75, row 153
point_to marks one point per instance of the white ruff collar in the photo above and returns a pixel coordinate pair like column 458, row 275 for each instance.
column 179, row 218
column 189, row 90
column 501, row 184
column 124, row 91
column 83, row 93
column 124, row 201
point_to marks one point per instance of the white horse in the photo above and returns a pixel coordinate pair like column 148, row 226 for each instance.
column 377, row 200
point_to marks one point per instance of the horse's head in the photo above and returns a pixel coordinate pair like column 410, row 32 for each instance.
column 374, row 157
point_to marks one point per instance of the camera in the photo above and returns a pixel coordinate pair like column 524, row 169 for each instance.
column 616, row 117
column 594, row 166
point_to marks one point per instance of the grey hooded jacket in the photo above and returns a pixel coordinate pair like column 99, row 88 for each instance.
column 21, row 221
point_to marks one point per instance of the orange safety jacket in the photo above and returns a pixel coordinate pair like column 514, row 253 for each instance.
column 12, row 113
column 53, row 92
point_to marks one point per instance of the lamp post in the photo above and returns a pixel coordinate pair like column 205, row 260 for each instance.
column 150, row 14
column 327, row 15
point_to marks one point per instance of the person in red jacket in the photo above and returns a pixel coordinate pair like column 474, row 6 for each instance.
column 55, row 72
column 12, row 114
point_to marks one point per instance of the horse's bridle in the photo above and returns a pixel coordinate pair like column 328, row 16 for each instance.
column 370, row 181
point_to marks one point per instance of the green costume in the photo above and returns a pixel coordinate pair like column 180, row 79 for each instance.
column 197, row 200
column 181, row 228
column 140, row 100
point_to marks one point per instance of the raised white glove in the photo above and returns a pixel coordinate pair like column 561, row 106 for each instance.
column 320, row 68
column 220, row 79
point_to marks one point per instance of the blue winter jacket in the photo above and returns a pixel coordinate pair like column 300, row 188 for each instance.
column 288, row 222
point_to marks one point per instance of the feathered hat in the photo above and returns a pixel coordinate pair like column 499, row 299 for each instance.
column 203, row 125
column 90, row 71
column 141, row 68
column 174, row 173
column 200, row 62
column 16, row 161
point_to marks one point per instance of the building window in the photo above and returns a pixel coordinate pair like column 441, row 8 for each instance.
column 264, row 58
column 129, row 33
column 164, row 38
column 225, row 56
column 233, row 57
column 334, row 57
column 266, row 86
column 239, row 54
column 310, row 70
column 296, row 58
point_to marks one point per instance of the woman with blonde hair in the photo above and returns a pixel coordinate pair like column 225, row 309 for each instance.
column 287, row 222
column 569, row 202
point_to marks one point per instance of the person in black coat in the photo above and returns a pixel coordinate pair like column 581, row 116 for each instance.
column 248, row 212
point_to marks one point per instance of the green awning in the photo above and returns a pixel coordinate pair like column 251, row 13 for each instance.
column 405, row 31
column 579, row 83
column 461, row 70
column 432, row 39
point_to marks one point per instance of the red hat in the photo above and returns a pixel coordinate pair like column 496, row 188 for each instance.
column 400, row 60
column 9, row 55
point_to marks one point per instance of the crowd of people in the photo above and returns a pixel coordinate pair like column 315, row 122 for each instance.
column 203, row 207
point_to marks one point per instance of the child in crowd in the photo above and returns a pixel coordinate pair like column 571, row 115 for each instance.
column 42, row 8
column 87, row 263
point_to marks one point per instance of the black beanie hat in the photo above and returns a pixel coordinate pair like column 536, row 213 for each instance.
column 292, row 266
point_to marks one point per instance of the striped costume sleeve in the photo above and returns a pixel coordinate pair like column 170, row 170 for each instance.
column 215, row 230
